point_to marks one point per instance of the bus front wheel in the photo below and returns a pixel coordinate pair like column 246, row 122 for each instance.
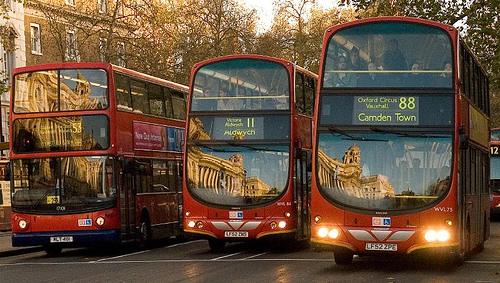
column 144, row 232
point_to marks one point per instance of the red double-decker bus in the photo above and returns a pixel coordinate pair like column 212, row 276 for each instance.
column 248, row 149
column 96, row 155
column 495, row 173
column 401, row 160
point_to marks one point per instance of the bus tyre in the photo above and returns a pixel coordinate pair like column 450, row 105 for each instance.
column 144, row 233
column 53, row 250
column 216, row 245
column 343, row 257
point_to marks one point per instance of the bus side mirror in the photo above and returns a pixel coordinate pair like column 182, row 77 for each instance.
column 463, row 141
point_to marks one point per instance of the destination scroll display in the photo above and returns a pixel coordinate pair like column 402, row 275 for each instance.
column 386, row 110
column 239, row 128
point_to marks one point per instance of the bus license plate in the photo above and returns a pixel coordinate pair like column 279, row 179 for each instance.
column 236, row 234
column 381, row 247
column 63, row 239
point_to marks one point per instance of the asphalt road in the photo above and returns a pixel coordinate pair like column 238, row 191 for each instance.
column 175, row 261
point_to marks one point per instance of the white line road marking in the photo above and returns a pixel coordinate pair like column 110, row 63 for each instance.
column 194, row 260
column 120, row 256
column 229, row 255
column 254, row 256
column 140, row 252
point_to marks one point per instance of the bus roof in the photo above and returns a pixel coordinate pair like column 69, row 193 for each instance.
column 254, row 56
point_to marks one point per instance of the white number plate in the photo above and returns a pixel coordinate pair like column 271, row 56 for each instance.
column 236, row 234
column 381, row 247
column 63, row 239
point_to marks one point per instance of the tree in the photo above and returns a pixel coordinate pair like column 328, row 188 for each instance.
column 176, row 34
column 297, row 31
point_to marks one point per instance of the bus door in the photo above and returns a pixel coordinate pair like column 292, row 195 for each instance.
column 302, row 191
column 127, row 199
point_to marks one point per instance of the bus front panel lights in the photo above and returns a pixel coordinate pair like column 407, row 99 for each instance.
column 100, row 221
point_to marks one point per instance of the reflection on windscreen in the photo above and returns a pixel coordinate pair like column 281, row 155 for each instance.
column 237, row 175
column 77, row 183
column 384, row 171
column 495, row 168
column 389, row 55
column 72, row 89
column 241, row 84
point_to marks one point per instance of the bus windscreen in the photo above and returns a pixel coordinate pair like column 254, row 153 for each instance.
column 389, row 55
column 241, row 84
column 60, row 90
column 61, row 133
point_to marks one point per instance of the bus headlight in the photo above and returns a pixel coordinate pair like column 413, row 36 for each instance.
column 443, row 236
column 440, row 236
column 430, row 236
column 282, row 224
column 322, row 232
column 99, row 221
column 334, row 233
column 22, row 224
column 191, row 224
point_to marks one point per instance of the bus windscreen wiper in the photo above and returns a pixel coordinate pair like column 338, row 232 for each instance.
column 403, row 134
column 351, row 138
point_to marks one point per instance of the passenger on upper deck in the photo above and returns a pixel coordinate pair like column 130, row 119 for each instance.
column 393, row 58
column 355, row 62
column 229, row 103
column 371, row 79
column 201, row 104
column 416, row 78
column 445, row 79
column 340, row 79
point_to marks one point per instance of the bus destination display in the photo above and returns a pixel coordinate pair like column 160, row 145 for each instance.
column 238, row 128
column 386, row 110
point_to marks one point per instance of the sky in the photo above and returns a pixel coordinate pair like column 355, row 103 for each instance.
column 265, row 9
